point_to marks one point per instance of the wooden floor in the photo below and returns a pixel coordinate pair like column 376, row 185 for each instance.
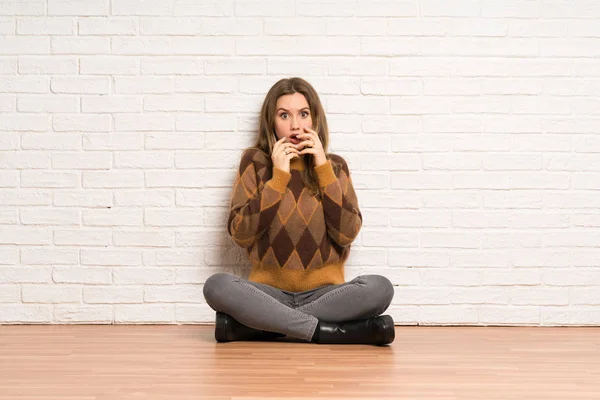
column 102, row 362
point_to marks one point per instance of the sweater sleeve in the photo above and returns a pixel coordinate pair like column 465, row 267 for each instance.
column 340, row 204
column 254, row 203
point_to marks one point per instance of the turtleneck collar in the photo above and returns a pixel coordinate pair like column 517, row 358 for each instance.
column 297, row 163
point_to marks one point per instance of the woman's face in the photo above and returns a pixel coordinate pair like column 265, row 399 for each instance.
column 292, row 114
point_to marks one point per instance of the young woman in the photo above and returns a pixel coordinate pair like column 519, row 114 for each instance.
column 295, row 211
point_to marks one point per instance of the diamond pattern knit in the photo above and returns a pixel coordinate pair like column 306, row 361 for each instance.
column 295, row 240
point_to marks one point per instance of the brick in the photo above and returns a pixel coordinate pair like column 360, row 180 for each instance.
column 295, row 26
column 24, row 160
column 477, row 28
column 256, row 8
column 502, row 315
column 141, row 238
column 138, row 85
column 144, row 160
column 83, row 198
column 174, row 103
column 83, row 275
column 459, row 8
column 210, row 8
column 454, row 162
column 512, row 8
column 109, row 141
column 8, row 103
column 22, row 274
column 45, row 26
column 79, row 313
column 234, row 27
column 441, row 315
column 78, row 7
column 80, row 45
column 574, row 315
column 176, row 258
column 119, row 216
column 47, row 104
column 80, row 85
column 25, row 84
column 109, row 65
column 234, row 66
column 389, row 238
column 142, row 7
column 477, row 180
column 174, row 294
column 178, row 178
column 82, row 237
column 388, row 8
column 194, row 313
column 155, row 45
column 122, row 294
column 113, row 179
column 8, row 65
column 174, row 141
column 45, row 256
column 25, row 313
column 81, row 123
column 374, row 46
column 144, row 122
column 479, row 46
column 480, row 259
column 503, row 240
column 9, row 179
column 204, row 84
column 40, row 216
column 43, row 65
column 49, row 179
column 147, row 313
column 450, row 239
column 112, row 257
column 537, row 295
column 24, row 123
column 422, row 180
column 477, row 219
column 103, row 26
column 417, row 218
column 146, row 197
column 10, row 294
column 25, row 197
column 419, row 143
column 142, row 275
column 27, row 45
column 172, row 66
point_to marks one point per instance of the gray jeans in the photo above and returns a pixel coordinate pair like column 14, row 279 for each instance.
column 296, row 314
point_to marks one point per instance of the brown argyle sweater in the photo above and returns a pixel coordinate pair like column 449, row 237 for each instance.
column 296, row 241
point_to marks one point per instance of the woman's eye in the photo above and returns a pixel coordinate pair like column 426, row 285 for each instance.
column 304, row 114
column 283, row 115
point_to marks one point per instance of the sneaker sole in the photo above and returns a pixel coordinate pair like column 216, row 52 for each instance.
column 389, row 329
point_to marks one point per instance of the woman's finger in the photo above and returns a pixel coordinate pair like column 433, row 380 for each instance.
column 308, row 150
column 311, row 131
column 306, row 143
column 278, row 143
column 311, row 134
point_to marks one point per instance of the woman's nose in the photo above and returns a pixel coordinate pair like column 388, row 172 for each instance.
column 294, row 123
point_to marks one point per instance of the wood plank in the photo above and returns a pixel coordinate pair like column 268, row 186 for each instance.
column 103, row 362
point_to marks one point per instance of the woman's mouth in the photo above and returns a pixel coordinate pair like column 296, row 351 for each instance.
column 294, row 139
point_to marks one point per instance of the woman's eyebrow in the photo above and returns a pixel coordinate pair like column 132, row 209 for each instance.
column 302, row 109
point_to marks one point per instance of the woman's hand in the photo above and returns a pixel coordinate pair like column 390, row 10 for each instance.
column 282, row 154
column 312, row 145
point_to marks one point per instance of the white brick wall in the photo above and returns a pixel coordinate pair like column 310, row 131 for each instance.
column 472, row 129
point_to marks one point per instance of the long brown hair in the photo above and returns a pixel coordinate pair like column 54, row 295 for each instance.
column 266, row 129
